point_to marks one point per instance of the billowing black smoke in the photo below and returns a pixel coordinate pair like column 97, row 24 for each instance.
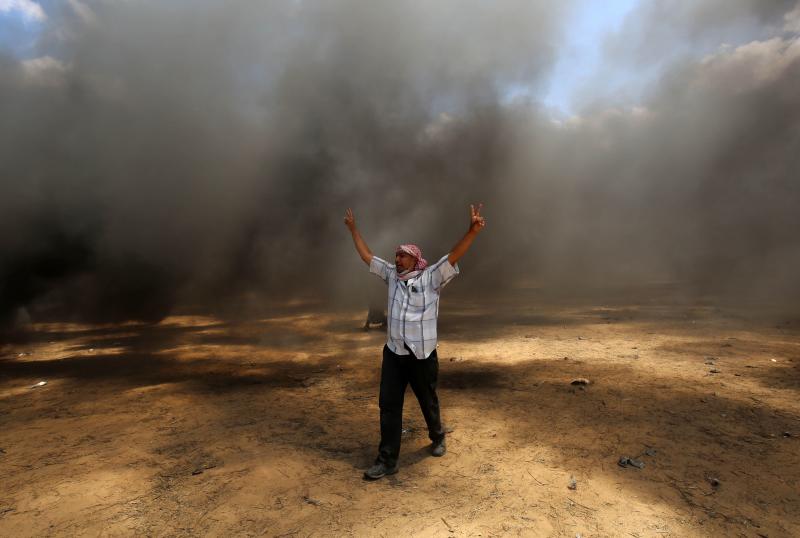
column 157, row 154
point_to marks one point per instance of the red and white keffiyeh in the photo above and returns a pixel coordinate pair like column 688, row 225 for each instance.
column 419, row 266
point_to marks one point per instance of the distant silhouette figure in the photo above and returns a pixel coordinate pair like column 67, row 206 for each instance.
column 375, row 315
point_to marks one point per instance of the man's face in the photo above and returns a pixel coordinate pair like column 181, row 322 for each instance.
column 404, row 261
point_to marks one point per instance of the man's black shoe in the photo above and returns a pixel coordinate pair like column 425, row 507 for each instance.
column 438, row 448
column 379, row 470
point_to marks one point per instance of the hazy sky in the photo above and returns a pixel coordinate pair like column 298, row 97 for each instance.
column 590, row 21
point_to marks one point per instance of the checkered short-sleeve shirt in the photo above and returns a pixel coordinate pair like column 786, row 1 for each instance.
column 413, row 305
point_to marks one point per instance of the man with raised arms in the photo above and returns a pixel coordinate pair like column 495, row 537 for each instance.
column 409, row 356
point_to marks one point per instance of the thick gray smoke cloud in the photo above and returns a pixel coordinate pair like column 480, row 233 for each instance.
column 187, row 153
column 698, row 184
column 160, row 152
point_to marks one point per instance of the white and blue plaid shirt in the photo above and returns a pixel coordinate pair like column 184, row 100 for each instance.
column 413, row 305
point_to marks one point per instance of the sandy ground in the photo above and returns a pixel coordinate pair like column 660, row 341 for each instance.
column 199, row 426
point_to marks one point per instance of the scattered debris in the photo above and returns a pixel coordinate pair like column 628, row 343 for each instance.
column 713, row 371
column 309, row 500
column 580, row 381
column 713, row 481
column 581, row 338
column 39, row 384
column 304, row 381
column 785, row 434
column 572, row 484
column 626, row 461
column 201, row 469
column 449, row 528
column 573, row 503
column 710, row 360
column 537, row 480
column 773, row 360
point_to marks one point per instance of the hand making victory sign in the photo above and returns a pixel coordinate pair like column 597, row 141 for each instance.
column 476, row 224
column 350, row 219
column 361, row 245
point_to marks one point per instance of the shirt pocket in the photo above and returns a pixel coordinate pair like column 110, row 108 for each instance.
column 416, row 296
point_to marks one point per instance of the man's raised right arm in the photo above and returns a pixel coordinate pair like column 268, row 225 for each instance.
column 361, row 246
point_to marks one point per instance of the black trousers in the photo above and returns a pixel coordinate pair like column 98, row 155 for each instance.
column 398, row 371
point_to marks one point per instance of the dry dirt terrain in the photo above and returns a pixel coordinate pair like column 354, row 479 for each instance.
column 202, row 426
